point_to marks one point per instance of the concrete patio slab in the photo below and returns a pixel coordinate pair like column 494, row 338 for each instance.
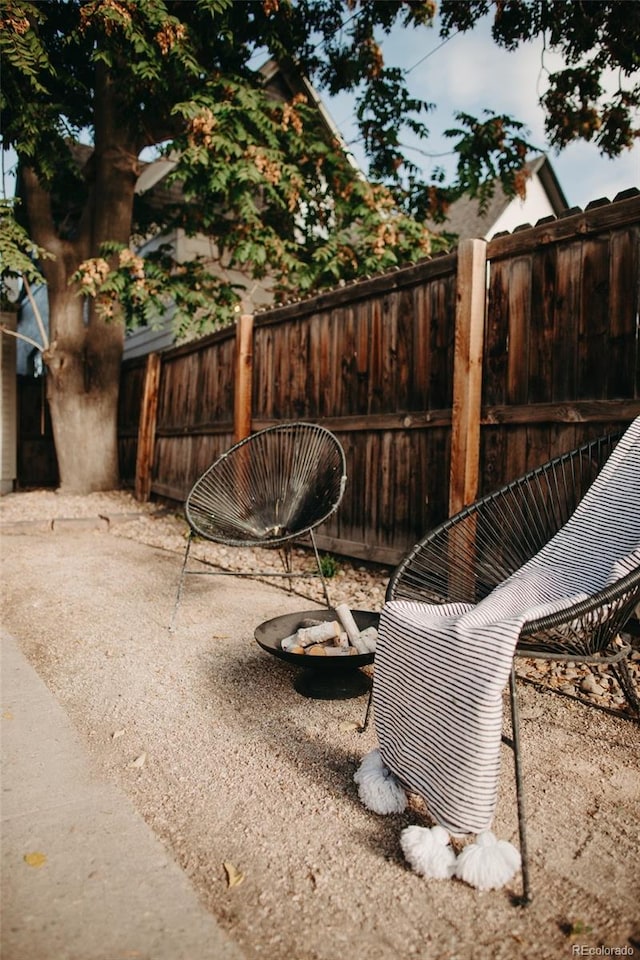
column 83, row 876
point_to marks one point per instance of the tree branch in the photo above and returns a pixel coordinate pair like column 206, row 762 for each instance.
column 37, row 314
column 22, row 336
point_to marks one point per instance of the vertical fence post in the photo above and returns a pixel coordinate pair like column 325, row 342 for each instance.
column 243, row 394
column 147, row 427
column 471, row 286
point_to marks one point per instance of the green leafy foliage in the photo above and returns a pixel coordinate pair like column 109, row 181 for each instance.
column 272, row 187
column 329, row 566
column 594, row 39
column 490, row 150
column 140, row 291
column 19, row 255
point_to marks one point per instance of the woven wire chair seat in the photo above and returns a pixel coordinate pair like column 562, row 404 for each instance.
column 471, row 553
column 271, row 488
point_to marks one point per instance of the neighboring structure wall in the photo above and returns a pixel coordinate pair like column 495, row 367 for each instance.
column 8, row 398
column 374, row 362
column 28, row 359
column 534, row 207
column 468, row 219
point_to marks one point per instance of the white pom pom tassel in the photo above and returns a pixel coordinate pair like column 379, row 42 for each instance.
column 428, row 851
column 377, row 787
column 488, row 863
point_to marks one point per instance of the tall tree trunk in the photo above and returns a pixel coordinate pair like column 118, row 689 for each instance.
column 84, row 357
column 82, row 389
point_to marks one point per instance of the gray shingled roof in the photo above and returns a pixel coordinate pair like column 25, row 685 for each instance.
column 465, row 220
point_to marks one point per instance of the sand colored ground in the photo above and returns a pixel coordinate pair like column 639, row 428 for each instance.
column 239, row 769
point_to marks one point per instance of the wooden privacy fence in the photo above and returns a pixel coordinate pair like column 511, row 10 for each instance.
column 443, row 380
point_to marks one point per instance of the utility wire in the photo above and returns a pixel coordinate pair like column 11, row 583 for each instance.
column 406, row 72
column 431, row 53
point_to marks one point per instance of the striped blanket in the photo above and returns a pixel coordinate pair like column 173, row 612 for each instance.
column 441, row 670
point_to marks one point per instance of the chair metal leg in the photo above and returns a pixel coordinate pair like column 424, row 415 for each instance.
column 365, row 722
column 515, row 745
column 625, row 680
column 288, row 574
column 180, row 585
column 324, row 582
column 287, row 563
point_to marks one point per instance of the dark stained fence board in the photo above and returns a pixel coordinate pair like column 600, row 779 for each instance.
column 535, row 377
column 593, row 336
column 37, row 464
column 499, row 347
column 441, row 342
column 129, row 409
column 566, row 321
column 374, row 362
column 625, row 277
column 520, row 313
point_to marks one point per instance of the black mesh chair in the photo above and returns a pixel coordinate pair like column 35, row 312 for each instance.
column 268, row 490
column 467, row 556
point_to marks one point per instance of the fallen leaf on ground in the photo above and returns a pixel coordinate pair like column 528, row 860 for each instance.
column 35, row 859
column 140, row 761
column 234, row 876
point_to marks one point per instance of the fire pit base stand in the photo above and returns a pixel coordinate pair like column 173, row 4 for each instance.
column 325, row 685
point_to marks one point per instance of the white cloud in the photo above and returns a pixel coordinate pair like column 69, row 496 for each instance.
column 469, row 73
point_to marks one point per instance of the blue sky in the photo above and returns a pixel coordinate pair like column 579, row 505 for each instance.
column 470, row 72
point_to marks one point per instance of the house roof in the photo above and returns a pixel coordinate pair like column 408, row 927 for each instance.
column 466, row 221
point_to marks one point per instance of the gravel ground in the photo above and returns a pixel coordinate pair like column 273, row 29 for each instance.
column 162, row 527
column 245, row 780
column 361, row 586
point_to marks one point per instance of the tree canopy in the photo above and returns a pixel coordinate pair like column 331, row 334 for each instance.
column 262, row 177
column 91, row 88
column 595, row 39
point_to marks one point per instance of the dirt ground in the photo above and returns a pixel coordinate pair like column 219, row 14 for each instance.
column 227, row 763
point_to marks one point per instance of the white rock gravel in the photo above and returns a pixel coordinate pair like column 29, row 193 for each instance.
column 240, row 770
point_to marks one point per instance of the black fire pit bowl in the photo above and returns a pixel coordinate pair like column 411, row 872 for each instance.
column 322, row 678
